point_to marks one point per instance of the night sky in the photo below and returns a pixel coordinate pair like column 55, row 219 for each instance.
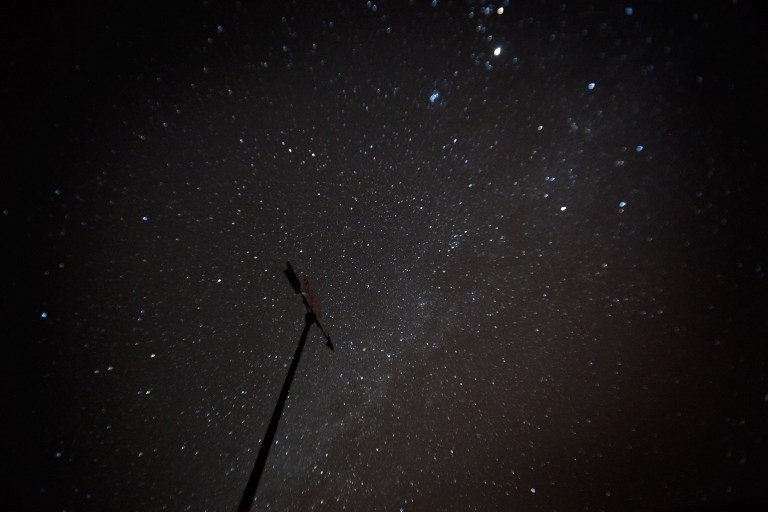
column 537, row 229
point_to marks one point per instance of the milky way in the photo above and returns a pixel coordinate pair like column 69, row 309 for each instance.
column 536, row 229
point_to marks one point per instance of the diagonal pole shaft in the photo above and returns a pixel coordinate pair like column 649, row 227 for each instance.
column 261, row 460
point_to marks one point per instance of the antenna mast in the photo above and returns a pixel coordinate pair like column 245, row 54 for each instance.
column 312, row 305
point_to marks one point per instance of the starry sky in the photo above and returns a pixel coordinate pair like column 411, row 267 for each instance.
column 537, row 229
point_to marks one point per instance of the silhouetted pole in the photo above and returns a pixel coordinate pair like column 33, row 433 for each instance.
column 250, row 490
column 309, row 299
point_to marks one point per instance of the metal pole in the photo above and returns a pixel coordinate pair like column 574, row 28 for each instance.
column 253, row 482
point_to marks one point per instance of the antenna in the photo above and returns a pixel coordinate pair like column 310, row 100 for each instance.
column 309, row 298
column 312, row 304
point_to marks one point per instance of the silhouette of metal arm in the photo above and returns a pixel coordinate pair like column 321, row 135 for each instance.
column 328, row 342
column 296, row 285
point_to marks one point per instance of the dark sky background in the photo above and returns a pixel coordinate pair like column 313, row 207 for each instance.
column 537, row 229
